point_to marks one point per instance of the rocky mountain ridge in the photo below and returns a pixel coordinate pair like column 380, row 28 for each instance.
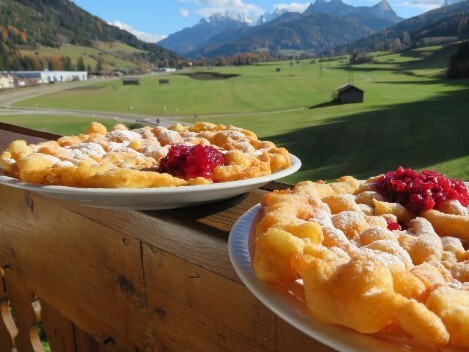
column 224, row 35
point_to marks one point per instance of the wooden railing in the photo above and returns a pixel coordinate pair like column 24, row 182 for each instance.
column 107, row 280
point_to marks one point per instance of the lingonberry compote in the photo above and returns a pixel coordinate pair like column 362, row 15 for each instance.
column 392, row 225
column 189, row 162
column 419, row 191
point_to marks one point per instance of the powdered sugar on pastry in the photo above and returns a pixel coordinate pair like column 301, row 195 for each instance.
column 379, row 266
column 121, row 136
column 141, row 150
column 93, row 150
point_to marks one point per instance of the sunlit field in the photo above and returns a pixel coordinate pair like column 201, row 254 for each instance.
column 62, row 125
column 411, row 116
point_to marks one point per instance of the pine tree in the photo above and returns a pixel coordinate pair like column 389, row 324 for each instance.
column 99, row 66
column 80, row 64
column 459, row 62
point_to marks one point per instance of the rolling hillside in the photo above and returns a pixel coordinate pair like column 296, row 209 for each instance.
column 446, row 24
column 190, row 39
column 29, row 26
column 290, row 31
column 324, row 25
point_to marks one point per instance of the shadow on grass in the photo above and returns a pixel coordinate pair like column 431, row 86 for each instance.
column 416, row 135
column 421, row 59
column 322, row 105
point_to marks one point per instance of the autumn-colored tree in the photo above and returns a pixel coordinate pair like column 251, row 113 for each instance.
column 142, row 68
column 221, row 61
column 359, row 57
column 3, row 34
column 23, row 37
column 38, row 65
column 13, row 30
column 54, row 63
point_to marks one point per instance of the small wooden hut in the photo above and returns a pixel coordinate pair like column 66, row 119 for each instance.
column 130, row 80
column 350, row 94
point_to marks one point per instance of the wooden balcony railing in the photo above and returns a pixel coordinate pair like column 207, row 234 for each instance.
column 106, row 280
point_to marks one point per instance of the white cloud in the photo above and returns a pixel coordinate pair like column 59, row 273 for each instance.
column 425, row 5
column 210, row 7
column 184, row 13
column 147, row 37
column 292, row 7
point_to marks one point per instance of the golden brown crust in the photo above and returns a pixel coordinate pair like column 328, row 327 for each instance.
column 119, row 157
column 360, row 274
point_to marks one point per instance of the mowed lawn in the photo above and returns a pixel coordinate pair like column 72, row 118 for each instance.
column 258, row 88
column 411, row 116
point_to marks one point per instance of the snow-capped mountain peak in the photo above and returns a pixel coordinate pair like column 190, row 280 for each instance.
column 229, row 16
column 269, row 16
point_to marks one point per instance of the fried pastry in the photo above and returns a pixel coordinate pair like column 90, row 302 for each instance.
column 389, row 255
column 145, row 157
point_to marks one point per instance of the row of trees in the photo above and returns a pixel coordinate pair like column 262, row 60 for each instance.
column 236, row 60
column 51, row 63
column 250, row 58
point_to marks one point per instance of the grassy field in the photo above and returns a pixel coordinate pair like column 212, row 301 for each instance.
column 63, row 125
column 411, row 115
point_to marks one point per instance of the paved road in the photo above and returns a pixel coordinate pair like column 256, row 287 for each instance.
column 10, row 97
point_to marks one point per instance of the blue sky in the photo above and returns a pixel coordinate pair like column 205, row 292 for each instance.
column 152, row 20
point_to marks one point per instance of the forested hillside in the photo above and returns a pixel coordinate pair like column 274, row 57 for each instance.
column 443, row 25
column 53, row 23
column 290, row 32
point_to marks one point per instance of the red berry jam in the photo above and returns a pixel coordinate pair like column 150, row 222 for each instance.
column 419, row 191
column 191, row 161
column 393, row 225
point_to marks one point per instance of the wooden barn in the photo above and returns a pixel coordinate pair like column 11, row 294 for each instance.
column 130, row 80
column 350, row 94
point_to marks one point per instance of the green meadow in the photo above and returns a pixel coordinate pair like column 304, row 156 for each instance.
column 412, row 115
column 63, row 125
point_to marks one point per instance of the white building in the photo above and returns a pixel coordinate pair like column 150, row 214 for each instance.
column 6, row 81
column 52, row 76
column 165, row 69
column 22, row 82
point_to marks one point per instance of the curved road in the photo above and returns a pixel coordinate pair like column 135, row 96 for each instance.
column 10, row 97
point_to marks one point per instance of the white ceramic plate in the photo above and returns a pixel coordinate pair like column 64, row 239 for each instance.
column 287, row 302
column 152, row 198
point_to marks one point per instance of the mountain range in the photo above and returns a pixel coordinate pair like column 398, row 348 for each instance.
column 447, row 24
column 58, row 31
column 189, row 39
column 322, row 25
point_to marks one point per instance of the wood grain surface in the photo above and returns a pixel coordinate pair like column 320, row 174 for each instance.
column 110, row 280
